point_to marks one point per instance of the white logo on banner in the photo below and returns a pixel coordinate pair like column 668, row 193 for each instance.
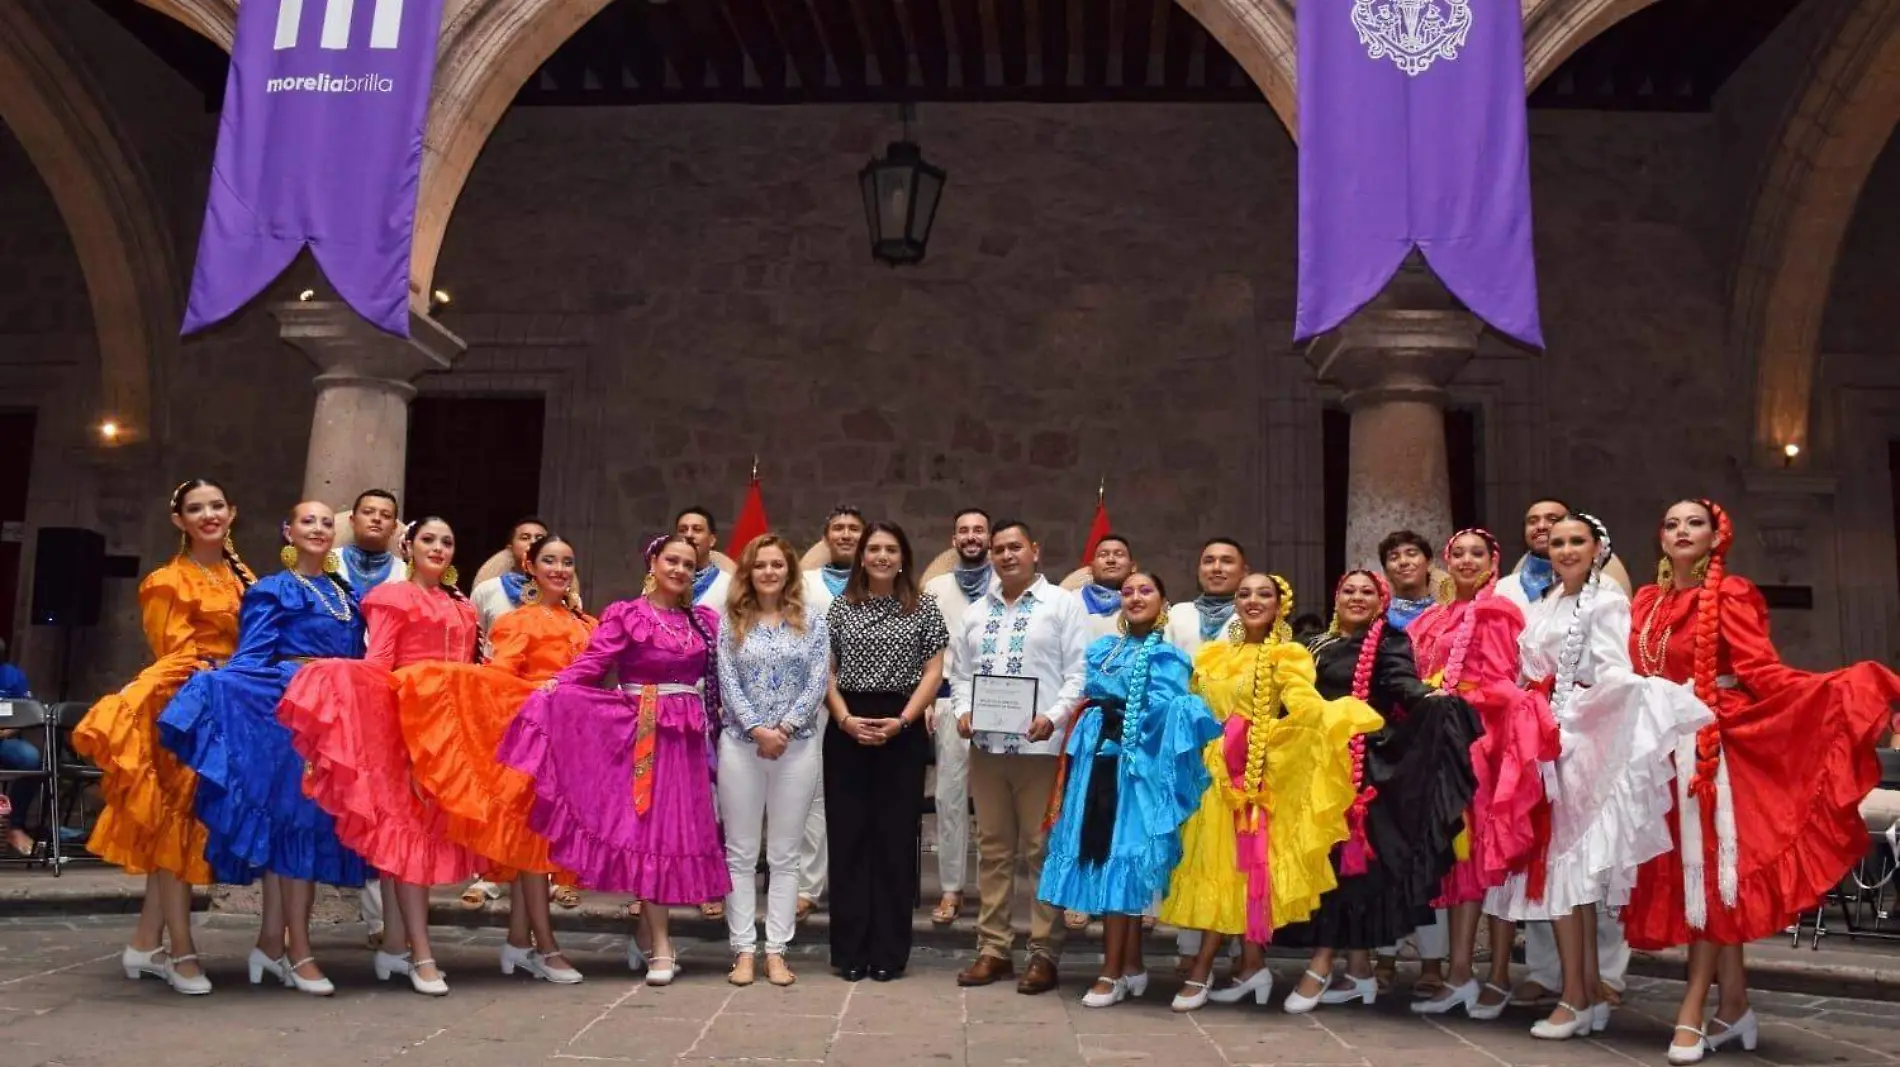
column 1414, row 33
column 385, row 24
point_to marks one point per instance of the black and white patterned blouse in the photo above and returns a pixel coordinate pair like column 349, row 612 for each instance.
column 880, row 649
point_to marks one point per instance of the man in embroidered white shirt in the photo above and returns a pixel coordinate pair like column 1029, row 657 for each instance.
column 963, row 585
column 1024, row 627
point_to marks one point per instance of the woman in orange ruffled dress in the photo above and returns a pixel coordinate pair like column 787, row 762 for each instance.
column 454, row 719
column 189, row 609
column 1469, row 646
column 346, row 717
column 1767, row 813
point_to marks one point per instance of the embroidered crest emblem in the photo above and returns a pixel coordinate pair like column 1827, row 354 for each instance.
column 1413, row 33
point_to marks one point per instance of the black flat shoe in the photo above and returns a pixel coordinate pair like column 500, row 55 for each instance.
column 853, row 974
column 883, row 974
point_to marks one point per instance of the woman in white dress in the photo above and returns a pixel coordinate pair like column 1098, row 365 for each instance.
column 1609, row 792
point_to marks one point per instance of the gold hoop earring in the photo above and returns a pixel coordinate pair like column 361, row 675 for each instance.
column 531, row 594
column 1236, row 631
column 649, row 585
column 1700, row 570
column 288, row 554
column 449, row 575
column 1665, row 572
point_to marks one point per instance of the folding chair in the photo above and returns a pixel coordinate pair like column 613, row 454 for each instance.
column 72, row 774
column 31, row 720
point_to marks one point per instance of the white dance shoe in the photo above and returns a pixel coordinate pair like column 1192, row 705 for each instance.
column 260, row 965
column 1192, row 997
column 316, row 987
column 1259, row 985
column 661, row 970
column 1137, row 984
column 1599, row 1016
column 536, row 965
column 636, row 958
column 388, row 963
column 1579, row 1024
column 1465, row 996
column 431, row 987
column 1681, row 1055
column 137, row 963
column 1117, row 992
column 196, row 985
column 1746, row 1029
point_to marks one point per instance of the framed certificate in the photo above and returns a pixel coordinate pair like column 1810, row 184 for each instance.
column 1002, row 704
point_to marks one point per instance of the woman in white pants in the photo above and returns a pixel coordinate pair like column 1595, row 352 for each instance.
column 774, row 669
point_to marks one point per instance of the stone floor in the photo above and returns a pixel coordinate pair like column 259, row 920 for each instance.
column 63, row 1002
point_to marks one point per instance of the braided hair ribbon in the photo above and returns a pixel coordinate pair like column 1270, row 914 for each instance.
column 1357, row 853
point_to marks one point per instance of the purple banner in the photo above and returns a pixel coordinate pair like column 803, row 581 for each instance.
column 1412, row 135
column 320, row 144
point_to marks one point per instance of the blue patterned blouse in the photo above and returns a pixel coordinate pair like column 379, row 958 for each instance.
column 777, row 676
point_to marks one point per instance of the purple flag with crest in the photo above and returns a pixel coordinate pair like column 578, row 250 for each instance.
column 1412, row 134
column 320, row 144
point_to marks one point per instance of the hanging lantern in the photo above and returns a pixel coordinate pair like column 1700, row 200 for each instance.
column 900, row 200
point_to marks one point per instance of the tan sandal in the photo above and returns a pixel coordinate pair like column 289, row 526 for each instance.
column 947, row 909
column 806, row 906
column 776, row 972
column 634, row 908
column 713, row 909
column 742, row 970
column 1147, row 922
column 1075, row 920
column 566, row 896
column 473, row 898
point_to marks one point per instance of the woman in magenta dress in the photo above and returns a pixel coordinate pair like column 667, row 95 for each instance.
column 623, row 777
column 1469, row 646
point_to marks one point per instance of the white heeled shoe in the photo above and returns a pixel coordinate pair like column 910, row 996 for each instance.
column 1483, row 1012
column 138, row 963
column 1682, row 1055
column 1747, row 1029
column 434, row 987
column 316, row 987
column 658, row 975
column 196, row 985
column 536, row 965
column 1298, row 1003
column 636, row 958
column 1599, row 1016
column 260, row 965
column 1579, row 1023
column 1460, row 996
column 388, row 963
column 1259, row 984
column 1117, row 992
column 1137, row 984
column 1363, row 990
column 1192, row 997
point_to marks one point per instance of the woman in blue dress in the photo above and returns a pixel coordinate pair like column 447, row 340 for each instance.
column 1132, row 774
column 223, row 724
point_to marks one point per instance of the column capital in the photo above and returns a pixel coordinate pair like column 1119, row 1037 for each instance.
column 346, row 348
column 1383, row 354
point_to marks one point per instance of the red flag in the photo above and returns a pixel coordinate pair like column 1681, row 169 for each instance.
column 751, row 521
column 1097, row 529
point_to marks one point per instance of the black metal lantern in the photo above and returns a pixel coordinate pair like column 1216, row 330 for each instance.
column 900, row 200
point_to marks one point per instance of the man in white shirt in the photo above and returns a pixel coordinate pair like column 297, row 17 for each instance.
column 710, row 584
column 502, row 594
column 1024, row 627
column 964, row 585
column 1110, row 565
column 1223, row 563
column 1522, row 587
column 844, row 528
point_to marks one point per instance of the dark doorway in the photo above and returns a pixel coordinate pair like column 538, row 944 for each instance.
column 16, row 442
column 1463, row 462
column 475, row 461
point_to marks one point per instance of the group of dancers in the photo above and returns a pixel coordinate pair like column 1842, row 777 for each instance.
column 1532, row 746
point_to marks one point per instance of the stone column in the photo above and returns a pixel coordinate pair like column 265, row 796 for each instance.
column 1393, row 361
column 359, row 435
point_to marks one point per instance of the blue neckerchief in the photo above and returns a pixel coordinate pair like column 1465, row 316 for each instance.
column 1536, row 577
column 835, row 575
column 1215, row 611
column 972, row 581
column 364, row 569
column 1100, row 599
column 703, row 581
column 1403, row 610
column 513, row 584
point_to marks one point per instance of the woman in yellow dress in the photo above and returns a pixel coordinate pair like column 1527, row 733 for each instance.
column 189, row 609
column 1257, row 855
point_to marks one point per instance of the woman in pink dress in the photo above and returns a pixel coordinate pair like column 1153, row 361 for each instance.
column 1469, row 646
column 623, row 777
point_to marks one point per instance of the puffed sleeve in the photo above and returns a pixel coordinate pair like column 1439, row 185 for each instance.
column 508, row 642
column 1492, row 657
column 932, row 635
column 260, row 621
column 385, row 612
column 165, row 613
column 1293, row 670
column 1608, row 629
column 1752, row 657
column 603, row 649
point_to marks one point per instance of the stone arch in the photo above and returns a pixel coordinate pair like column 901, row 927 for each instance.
column 1832, row 131
column 1555, row 29
column 53, row 106
column 215, row 20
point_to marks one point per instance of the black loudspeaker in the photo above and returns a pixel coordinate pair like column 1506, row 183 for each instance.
column 68, row 569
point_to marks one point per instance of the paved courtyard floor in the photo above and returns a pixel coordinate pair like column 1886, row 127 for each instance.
column 63, row 1002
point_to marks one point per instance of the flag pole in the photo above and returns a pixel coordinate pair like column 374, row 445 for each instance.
column 755, row 466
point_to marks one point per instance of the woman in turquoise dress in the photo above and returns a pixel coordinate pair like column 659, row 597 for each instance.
column 1132, row 774
column 223, row 725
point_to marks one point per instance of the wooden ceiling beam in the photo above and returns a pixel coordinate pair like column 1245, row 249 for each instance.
column 971, row 47
column 749, row 22
column 1012, row 40
column 879, row 19
column 929, row 41
column 799, row 34
column 1053, row 24
column 840, row 31
column 1138, row 19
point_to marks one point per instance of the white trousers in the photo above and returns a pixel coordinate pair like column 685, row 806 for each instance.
column 814, row 855
column 1540, row 953
column 1433, row 942
column 770, row 799
column 372, row 904
column 952, row 792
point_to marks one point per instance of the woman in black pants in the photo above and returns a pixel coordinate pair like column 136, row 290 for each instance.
column 887, row 642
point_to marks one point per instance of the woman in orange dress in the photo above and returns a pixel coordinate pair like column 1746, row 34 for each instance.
column 189, row 609
column 346, row 717
column 454, row 720
column 1767, row 811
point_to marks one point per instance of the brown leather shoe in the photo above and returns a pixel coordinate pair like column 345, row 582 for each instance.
column 987, row 970
column 1038, row 977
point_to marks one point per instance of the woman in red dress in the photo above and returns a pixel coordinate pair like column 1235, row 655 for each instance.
column 1767, row 815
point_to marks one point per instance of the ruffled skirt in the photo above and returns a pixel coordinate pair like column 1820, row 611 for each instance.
column 1610, row 793
column 345, row 722
column 148, row 823
column 1519, row 733
column 576, row 743
column 223, row 725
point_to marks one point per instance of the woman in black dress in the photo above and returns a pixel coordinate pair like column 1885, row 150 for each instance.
column 1414, row 779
